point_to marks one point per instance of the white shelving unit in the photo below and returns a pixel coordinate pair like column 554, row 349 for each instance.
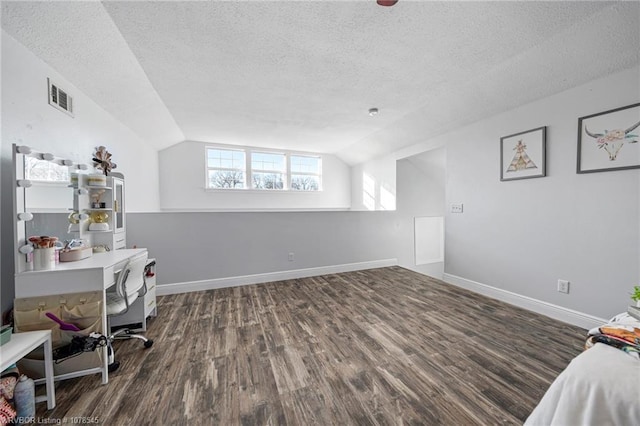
column 112, row 195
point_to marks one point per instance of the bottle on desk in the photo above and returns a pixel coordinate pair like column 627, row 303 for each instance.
column 25, row 399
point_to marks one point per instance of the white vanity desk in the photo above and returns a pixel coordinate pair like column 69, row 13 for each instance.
column 96, row 273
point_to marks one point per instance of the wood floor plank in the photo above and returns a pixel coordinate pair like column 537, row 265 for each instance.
column 384, row 346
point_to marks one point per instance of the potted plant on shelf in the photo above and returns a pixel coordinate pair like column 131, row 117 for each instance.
column 635, row 296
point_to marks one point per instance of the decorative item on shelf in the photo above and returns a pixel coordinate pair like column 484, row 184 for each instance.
column 99, row 221
column 96, row 195
column 75, row 218
column 102, row 160
column 635, row 296
column 96, row 180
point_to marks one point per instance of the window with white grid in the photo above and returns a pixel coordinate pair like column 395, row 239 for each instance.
column 261, row 169
column 306, row 173
column 226, row 168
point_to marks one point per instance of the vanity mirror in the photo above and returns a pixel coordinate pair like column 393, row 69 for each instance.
column 55, row 197
column 44, row 198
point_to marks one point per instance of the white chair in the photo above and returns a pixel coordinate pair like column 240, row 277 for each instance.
column 130, row 285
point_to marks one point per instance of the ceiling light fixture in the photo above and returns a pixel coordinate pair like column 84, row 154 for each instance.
column 373, row 111
column 386, row 3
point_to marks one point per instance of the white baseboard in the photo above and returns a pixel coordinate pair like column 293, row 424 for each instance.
column 185, row 287
column 560, row 313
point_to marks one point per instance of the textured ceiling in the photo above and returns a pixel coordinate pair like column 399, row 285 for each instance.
column 302, row 74
column 82, row 43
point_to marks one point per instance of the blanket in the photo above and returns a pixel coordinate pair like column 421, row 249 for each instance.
column 599, row 386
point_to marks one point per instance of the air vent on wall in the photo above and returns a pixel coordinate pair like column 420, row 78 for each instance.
column 59, row 98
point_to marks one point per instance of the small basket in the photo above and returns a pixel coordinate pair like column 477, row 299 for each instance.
column 77, row 253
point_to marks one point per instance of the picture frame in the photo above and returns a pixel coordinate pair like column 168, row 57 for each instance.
column 523, row 155
column 608, row 140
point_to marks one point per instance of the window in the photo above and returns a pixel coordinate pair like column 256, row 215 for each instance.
column 305, row 173
column 268, row 170
column 225, row 168
column 247, row 168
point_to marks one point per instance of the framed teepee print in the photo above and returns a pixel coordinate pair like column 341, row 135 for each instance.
column 609, row 140
column 523, row 155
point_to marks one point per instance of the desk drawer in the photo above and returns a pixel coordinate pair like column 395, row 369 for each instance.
column 119, row 241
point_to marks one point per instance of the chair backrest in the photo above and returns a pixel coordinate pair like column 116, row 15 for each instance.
column 131, row 278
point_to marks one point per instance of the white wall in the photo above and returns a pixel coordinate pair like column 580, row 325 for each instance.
column 183, row 177
column 206, row 246
column 522, row 236
column 373, row 184
column 27, row 119
column 525, row 235
column 420, row 192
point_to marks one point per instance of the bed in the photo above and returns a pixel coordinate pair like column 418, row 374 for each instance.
column 601, row 386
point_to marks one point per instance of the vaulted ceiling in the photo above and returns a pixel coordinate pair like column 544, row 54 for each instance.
column 301, row 75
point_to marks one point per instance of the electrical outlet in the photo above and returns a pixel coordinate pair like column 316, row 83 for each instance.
column 563, row 286
column 292, row 257
column 456, row 207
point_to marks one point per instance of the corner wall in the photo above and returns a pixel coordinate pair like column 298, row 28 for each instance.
column 522, row 236
column 421, row 192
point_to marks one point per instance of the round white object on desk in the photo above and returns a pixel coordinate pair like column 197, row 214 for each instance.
column 44, row 258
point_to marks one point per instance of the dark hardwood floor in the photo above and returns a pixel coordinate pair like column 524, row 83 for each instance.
column 382, row 346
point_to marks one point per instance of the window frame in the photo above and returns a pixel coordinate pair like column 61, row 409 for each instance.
column 207, row 168
column 248, row 171
column 291, row 173
column 284, row 172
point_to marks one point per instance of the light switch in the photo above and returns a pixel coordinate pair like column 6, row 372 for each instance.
column 456, row 207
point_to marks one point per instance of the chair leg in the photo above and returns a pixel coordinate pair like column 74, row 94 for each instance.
column 128, row 334
column 118, row 333
column 147, row 342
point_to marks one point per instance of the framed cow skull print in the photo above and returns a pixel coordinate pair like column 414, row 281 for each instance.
column 609, row 140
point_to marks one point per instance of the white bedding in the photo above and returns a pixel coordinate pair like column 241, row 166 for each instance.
column 601, row 386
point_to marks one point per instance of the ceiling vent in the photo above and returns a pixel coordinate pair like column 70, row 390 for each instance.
column 60, row 99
